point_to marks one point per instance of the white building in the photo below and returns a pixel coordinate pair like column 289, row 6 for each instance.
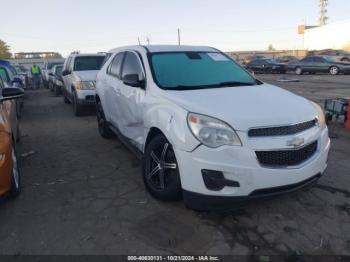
column 331, row 36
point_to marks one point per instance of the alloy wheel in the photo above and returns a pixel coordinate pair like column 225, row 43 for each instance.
column 334, row 70
column 163, row 166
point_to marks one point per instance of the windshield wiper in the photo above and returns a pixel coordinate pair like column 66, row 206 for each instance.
column 236, row 83
column 222, row 84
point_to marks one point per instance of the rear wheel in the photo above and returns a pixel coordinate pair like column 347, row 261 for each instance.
column 334, row 70
column 15, row 178
column 160, row 170
column 102, row 124
column 298, row 71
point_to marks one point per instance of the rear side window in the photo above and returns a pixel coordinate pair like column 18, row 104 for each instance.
column 86, row 63
column 115, row 66
column 132, row 66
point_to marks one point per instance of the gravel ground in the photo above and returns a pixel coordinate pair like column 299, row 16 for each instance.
column 84, row 195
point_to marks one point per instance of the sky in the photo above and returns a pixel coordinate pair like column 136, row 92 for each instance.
column 100, row 25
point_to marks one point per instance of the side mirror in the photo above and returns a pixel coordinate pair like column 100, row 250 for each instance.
column 65, row 72
column 133, row 80
column 9, row 93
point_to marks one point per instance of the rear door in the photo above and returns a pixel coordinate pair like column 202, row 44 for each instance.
column 320, row 65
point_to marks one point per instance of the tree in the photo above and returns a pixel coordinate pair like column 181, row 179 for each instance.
column 4, row 50
column 271, row 48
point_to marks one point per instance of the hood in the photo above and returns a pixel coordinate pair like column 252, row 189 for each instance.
column 245, row 107
column 87, row 75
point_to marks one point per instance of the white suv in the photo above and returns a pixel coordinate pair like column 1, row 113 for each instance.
column 79, row 77
column 205, row 128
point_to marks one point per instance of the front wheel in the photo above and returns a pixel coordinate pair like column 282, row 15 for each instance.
column 15, row 178
column 334, row 70
column 160, row 170
column 102, row 124
column 77, row 109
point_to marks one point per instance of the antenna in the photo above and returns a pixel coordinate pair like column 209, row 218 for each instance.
column 178, row 36
column 323, row 12
column 138, row 40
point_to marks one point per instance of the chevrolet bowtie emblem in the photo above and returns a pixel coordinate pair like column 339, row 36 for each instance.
column 296, row 142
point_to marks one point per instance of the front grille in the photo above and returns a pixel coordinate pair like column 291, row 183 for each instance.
column 282, row 130
column 286, row 157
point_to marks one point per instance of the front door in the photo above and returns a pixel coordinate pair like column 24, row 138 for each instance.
column 130, row 105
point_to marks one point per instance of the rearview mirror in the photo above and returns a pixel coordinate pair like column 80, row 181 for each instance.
column 133, row 80
column 9, row 93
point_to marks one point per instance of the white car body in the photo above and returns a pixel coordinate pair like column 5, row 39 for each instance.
column 72, row 80
column 134, row 112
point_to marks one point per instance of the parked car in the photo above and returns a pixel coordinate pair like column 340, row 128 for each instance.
column 266, row 66
column 47, row 69
column 320, row 64
column 207, row 130
column 56, row 80
column 79, row 77
column 8, row 79
column 9, row 134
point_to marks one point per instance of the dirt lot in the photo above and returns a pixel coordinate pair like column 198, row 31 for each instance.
column 84, row 195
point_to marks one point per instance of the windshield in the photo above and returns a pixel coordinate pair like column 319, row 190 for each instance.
column 85, row 63
column 192, row 70
column 51, row 65
column 59, row 70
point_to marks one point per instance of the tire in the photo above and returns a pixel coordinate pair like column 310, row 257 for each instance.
column 65, row 99
column 77, row 109
column 50, row 86
column 160, row 170
column 102, row 124
column 334, row 70
column 298, row 71
column 15, row 176
column 57, row 90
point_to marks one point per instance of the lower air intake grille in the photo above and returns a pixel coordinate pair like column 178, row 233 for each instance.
column 286, row 157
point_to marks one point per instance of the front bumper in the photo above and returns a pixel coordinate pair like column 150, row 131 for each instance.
column 240, row 164
column 86, row 97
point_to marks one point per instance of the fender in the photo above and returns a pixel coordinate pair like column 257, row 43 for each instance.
column 171, row 120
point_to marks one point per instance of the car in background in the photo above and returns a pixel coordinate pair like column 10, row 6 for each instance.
column 79, row 77
column 23, row 73
column 206, row 130
column 287, row 59
column 266, row 65
column 10, row 180
column 47, row 68
column 56, row 80
column 319, row 64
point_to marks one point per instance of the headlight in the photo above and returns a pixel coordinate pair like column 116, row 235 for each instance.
column 320, row 115
column 85, row 85
column 212, row 132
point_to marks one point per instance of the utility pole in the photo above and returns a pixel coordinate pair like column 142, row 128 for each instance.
column 323, row 12
column 178, row 36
